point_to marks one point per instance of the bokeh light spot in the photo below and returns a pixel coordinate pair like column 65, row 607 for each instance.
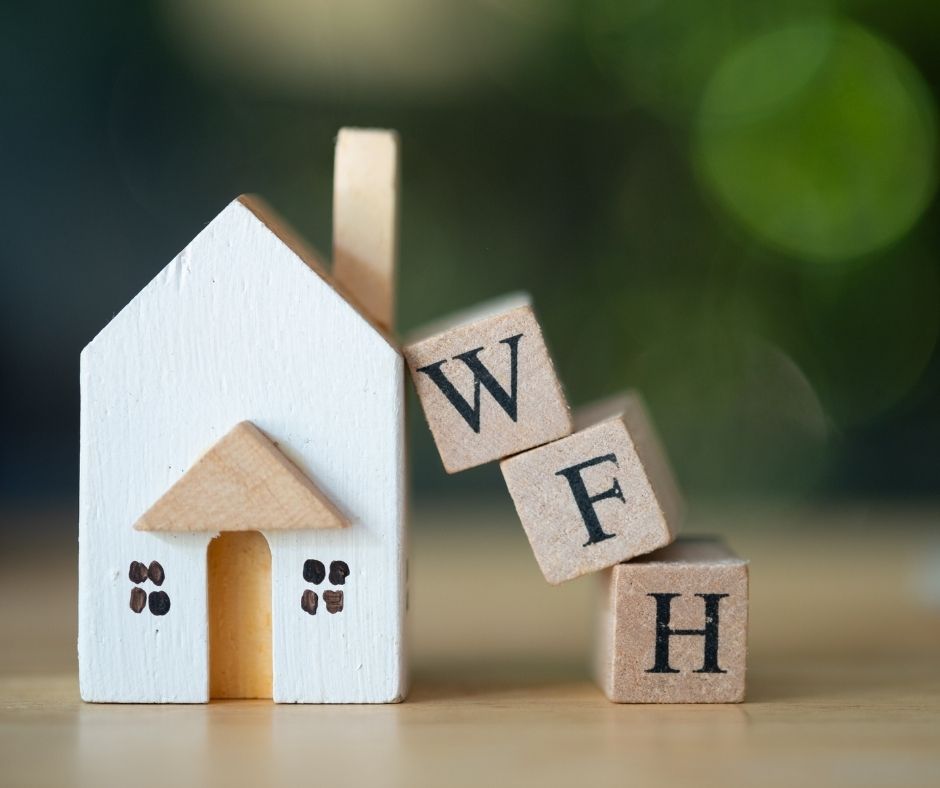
column 820, row 139
column 749, row 422
column 412, row 49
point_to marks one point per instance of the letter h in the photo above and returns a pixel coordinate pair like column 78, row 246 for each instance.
column 664, row 632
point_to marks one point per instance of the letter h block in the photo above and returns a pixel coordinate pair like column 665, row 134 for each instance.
column 673, row 626
column 598, row 497
column 487, row 384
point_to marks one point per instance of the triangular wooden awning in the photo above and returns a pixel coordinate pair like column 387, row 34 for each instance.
column 243, row 483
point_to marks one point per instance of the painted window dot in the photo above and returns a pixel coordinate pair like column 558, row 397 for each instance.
column 138, row 572
column 138, row 599
column 309, row 601
column 159, row 603
column 155, row 573
column 314, row 571
column 339, row 571
column 333, row 601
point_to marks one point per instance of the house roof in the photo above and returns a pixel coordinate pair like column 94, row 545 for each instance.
column 280, row 231
column 283, row 231
column 242, row 483
column 243, row 323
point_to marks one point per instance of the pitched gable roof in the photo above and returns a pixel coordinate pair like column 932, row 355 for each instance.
column 243, row 483
column 259, row 213
column 278, row 227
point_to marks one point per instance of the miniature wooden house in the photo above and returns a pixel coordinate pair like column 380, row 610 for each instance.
column 243, row 471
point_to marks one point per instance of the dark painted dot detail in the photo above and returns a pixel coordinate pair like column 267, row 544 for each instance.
column 138, row 572
column 333, row 601
column 339, row 571
column 138, row 599
column 155, row 573
column 159, row 603
column 309, row 601
column 314, row 571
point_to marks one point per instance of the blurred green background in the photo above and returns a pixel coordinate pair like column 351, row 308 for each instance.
column 730, row 204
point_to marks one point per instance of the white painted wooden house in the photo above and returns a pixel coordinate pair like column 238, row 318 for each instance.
column 245, row 325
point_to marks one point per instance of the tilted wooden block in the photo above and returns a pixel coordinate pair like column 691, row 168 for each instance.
column 487, row 384
column 598, row 497
column 243, row 483
column 673, row 626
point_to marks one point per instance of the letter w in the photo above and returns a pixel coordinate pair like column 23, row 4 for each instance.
column 481, row 375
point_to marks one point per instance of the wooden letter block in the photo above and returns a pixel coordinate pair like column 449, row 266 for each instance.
column 487, row 384
column 598, row 497
column 673, row 626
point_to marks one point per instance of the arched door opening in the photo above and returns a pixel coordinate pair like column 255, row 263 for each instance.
column 239, row 577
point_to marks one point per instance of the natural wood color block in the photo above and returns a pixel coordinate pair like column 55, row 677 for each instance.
column 673, row 626
column 501, row 670
column 487, row 384
column 243, row 483
column 240, row 637
column 365, row 219
column 598, row 497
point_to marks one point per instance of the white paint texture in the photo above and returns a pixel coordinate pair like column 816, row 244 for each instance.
column 237, row 327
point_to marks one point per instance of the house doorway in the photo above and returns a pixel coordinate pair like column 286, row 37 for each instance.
column 239, row 572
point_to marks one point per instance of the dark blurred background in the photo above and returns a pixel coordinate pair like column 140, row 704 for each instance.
column 730, row 204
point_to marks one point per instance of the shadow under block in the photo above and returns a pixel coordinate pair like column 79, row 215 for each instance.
column 243, row 483
column 673, row 626
column 487, row 384
column 598, row 497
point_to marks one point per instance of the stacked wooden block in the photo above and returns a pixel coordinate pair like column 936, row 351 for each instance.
column 593, row 493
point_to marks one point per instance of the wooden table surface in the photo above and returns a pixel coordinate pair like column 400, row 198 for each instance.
column 843, row 683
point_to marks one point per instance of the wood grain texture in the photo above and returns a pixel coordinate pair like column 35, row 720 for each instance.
column 630, row 407
column 243, row 483
column 239, row 326
column 828, row 693
column 492, row 336
column 240, row 637
column 365, row 219
column 600, row 496
column 644, row 656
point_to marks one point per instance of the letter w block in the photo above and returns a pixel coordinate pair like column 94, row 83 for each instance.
column 487, row 384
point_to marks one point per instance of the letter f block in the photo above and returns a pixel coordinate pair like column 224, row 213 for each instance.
column 487, row 384
column 598, row 497
column 673, row 626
